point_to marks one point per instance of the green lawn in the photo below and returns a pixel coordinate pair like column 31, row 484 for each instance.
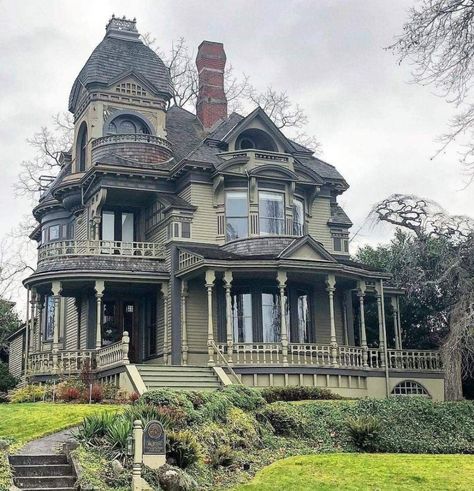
column 368, row 472
column 29, row 421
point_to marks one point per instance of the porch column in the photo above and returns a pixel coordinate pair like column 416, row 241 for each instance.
column 331, row 288
column 363, row 334
column 165, row 293
column 56, row 291
column 399, row 323
column 39, row 309
column 379, row 297
column 228, row 315
column 78, row 306
column 184, row 327
column 31, row 327
column 282, row 279
column 393, row 301
column 210, row 278
column 99, row 293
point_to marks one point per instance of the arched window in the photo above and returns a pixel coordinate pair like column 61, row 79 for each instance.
column 409, row 388
column 81, row 148
column 254, row 138
column 128, row 124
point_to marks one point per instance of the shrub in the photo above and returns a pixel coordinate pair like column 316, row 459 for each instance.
column 146, row 413
column 109, row 391
column 241, row 428
column 170, row 398
column 133, row 397
column 3, row 397
column 285, row 420
column 182, row 448
column 69, row 390
column 297, row 393
column 96, row 393
column 95, row 427
column 364, row 431
column 243, row 397
column 117, row 434
column 28, row 393
column 7, row 380
column 215, row 406
column 222, row 456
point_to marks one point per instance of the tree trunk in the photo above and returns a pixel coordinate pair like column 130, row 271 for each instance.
column 451, row 351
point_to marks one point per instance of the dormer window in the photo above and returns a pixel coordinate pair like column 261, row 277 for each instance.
column 127, row 124
column 254, row 138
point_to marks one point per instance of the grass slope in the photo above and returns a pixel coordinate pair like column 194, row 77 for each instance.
column 22, row 423
column 355, row 472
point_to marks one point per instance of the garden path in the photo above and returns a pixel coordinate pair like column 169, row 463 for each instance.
column 50, row 444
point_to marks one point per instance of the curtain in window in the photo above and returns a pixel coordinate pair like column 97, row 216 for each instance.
column 236, row 209
column 298, row 217
column 272, row 213
column 242, row 317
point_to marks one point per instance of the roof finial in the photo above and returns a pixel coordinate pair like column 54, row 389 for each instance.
column 122, row 27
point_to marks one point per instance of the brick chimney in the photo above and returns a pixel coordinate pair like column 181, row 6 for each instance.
column 211, row 105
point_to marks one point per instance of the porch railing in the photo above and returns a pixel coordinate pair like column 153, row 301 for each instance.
column 321, row 355
column 101, row 248
column 114, row 354
column 63, row 362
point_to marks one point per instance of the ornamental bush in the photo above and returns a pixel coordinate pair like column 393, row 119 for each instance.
column 7, row 380
column 182, row 448
column 30, row 393
column 297, row 393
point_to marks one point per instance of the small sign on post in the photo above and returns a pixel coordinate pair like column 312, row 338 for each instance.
column 154, row 445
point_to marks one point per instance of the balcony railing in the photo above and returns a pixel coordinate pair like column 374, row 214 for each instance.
column 318, row 355
column 60, row 248
column 128, row 138
column 67, row 362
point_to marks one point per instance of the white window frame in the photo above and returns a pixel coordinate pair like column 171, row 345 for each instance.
column 282, row 220
column 245, row 195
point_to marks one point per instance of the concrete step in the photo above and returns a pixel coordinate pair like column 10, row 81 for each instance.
column 43, row 470
column 37, row 459
column 186, row 376
column 168, row 368
column 45, row 482
column 184, row 382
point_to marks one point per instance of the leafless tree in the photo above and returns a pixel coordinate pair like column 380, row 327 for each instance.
column 450, row 275
column 47, row 145
column 240, row 94
column 438, row 40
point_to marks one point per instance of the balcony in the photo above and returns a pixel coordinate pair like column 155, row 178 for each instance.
column 137, row 147
column 149, row 250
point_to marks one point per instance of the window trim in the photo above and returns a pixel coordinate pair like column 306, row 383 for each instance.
column 260, row 217
column 243, row 191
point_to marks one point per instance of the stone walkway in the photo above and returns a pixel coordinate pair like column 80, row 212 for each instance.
column 51, row 444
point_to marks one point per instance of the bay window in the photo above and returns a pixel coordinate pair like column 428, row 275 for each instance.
column 236, row 211
column 272, row 213
column 298, row 217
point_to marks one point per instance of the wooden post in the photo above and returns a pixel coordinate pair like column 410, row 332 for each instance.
column 184, row 327
column 282, row 279
column 393, row 301
column 378, row 295
column 331, row 288
column 399, row 323
column 26, row 355
column 228, row 315
column 165, row 293
column 99, row 293
column 125, row 347
column 137, row 455
column 210, row 278
column 31, row 327
column 363, row 334
column 56, row 290
column 39, row 308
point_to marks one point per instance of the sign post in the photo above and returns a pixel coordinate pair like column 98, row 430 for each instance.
column 154, row 445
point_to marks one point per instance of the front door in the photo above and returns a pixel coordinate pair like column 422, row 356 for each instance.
column 120, row 316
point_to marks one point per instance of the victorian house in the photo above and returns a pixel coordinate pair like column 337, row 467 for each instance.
column 196, row 250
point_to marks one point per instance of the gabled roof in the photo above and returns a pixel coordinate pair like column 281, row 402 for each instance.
column 271, row 126
column 315, row 249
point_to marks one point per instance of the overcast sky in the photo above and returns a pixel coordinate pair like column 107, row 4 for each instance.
column 375, row 127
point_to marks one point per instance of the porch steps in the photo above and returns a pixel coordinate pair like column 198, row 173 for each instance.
column 43, row 472
column 178, row 377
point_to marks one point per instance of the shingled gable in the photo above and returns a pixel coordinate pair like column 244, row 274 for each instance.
column 308, row 249
column 270, row 125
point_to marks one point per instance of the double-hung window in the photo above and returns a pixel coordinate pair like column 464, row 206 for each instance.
column 298, row 217
column 236, row 210
column 272, row 213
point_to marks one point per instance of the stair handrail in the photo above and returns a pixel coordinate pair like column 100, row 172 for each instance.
column 226, row 362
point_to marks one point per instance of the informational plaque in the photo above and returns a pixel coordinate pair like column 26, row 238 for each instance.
column 154, row 440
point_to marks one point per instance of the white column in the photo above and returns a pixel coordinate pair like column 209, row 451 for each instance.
column 363, row 334
column 184, row 327
column 165, row 293
column 282, row 279
column 378, row 295
column 393, row 301
column 56, row 290
column 331, row 288
column 99, row 293
column 228, row 315
column 210, row 278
